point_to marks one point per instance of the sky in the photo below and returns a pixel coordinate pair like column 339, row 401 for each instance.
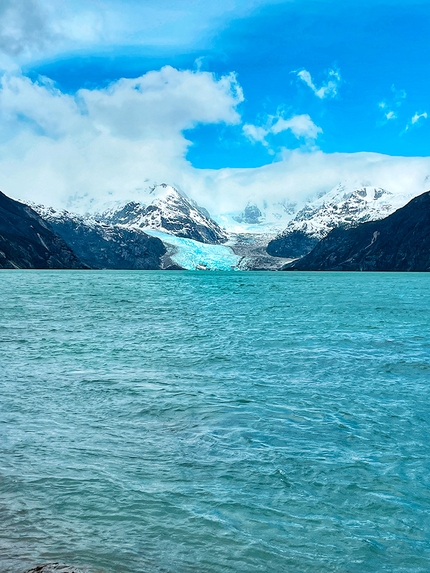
column 231, row 101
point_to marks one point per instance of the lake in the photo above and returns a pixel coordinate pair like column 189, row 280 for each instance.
column 225, row 422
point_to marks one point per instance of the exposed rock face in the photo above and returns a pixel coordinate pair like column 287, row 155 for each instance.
column 103, row 246
column 54, row 568
column 169, row 211
column 264, row 218
column 252, row 250
column 295, row 243
column 251, row 215
column 401, row 242
column 342, row 207
column 28, row 242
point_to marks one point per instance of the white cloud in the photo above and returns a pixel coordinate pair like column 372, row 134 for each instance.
column 38, row 107
column 31, row 29
column 391, row 105
column 54, row 145
column 301, row 126
column 416, row 118
column 391, row 115
column 162, row 104
column 419, row 116
column 159, row 104
column 256, row 133
column 81, row 151
column 329, row 89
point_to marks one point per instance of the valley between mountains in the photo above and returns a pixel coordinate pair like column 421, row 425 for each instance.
column 348, row 228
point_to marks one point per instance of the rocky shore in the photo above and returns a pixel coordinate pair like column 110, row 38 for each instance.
column 54, row 568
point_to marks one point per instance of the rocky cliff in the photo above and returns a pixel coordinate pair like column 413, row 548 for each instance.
column 28, row 242
column 344, row 206
column 103, row 246
column 400, row 242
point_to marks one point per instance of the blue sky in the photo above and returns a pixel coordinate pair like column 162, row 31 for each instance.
column 315, row 76
column 380, row 49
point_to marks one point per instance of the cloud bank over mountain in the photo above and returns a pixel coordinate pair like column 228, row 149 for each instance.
column 111, row 139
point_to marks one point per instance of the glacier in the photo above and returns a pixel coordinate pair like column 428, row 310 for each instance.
column 192, row 255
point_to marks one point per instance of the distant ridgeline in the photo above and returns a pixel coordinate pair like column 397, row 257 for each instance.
column 344, row 206
column 343, row 230
column 168, row 232
column 29, row 241
column 400, row 242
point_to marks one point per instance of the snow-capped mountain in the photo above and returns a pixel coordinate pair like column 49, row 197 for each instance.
column 126, row 246
column 343, row 206
column 168, row 211
column 399, row 242
column 346, row 207
column 189, row 238
column 265, row 218
column 102, row 246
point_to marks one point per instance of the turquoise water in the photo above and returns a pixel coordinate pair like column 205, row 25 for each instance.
column 215, row 422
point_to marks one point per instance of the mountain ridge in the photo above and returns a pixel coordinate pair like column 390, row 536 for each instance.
column 344, row 206
column 28, row 242
column 400, row 242
column 169, row 211
column 103, row 246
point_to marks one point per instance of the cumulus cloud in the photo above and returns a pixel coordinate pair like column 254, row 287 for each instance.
column 329, row 89
column 80, row 151
column 162, row 104
column 256, row 133
column 38, row 107
column 301, row 126
column 159, row 104
column 108, row 140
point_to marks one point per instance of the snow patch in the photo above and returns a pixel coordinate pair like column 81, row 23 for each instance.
column 170, row 211
column 345, row 206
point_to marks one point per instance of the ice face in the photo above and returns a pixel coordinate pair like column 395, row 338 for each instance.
column 192, row 255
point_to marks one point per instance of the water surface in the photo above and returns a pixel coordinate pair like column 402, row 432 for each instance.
column 215, row 422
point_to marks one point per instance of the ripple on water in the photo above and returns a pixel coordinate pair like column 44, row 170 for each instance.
column 215, row 422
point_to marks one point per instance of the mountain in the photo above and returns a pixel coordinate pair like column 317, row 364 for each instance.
column 400, row 242
column 342, row 207
column 264, row 218
column 251, row 215
column 196, row 241
column 169, row 211
column 251, row 248
column 103, row 246
column 28, row 242
column 251, row 229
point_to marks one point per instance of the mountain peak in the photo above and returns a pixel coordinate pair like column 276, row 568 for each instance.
column 399, row 242
column 168, row 210
column 344, row 206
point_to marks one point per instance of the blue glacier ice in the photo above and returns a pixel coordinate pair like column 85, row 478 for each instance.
column 193, row 255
